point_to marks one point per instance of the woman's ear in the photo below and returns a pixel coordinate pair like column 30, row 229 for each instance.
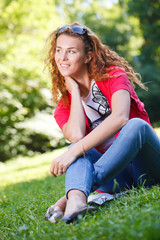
column 88, row 57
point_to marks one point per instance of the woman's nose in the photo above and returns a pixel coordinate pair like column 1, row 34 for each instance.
column 64, row 56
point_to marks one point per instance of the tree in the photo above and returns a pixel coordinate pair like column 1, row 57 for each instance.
column 24, row 27
column 149, row 58
column 112, row 26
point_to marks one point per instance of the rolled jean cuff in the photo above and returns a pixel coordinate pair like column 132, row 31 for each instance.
column 75, row 188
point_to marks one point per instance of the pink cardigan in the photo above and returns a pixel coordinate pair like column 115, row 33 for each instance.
column 108, row 87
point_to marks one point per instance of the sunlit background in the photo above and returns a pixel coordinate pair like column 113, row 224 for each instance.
column 129, row 27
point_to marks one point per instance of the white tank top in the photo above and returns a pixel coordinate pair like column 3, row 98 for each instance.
column 97, row 109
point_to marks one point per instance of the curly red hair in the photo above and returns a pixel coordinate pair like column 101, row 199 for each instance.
column 102, row 58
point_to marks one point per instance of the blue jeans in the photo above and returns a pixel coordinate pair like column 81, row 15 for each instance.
column 133, row 159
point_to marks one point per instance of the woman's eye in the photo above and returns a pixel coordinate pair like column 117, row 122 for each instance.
column 58, row 50
column 71, row 51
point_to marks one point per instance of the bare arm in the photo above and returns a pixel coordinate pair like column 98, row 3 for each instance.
column 111, row 125
column 75, row 128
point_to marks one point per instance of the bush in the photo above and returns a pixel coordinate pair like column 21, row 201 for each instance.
column 21, row 97
column 150, row 75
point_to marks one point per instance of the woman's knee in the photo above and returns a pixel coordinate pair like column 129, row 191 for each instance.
column 137, row 124
column 136, row 129
column 137, row 121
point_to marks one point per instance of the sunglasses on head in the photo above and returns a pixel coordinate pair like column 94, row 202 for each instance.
column 75, row 28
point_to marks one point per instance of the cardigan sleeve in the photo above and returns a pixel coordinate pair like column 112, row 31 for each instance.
column 118, row 81
column 121, row 81
column 61, row 114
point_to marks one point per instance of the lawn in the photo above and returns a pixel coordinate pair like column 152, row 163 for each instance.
column 27, row 190
column 158, row 131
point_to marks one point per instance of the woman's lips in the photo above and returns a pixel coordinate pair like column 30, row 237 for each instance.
column 64, row 65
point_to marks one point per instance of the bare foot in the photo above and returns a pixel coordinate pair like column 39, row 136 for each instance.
column 61, row 203
column 76, row 201
column 56, row 211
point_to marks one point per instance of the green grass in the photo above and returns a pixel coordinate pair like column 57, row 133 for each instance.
column 158, row 131
column 27, row 190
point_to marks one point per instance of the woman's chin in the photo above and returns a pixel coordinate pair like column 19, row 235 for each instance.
column 65, row 74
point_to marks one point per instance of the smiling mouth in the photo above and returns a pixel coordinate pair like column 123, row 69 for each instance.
column 64, row 65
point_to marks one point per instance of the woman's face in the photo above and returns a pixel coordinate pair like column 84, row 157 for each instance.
column 70, row 56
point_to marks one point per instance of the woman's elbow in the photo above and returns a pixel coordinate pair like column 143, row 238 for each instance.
column 123, row 120
column 120, row 118
column 75, row 137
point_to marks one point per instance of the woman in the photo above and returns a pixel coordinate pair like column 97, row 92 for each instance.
column 115, row 146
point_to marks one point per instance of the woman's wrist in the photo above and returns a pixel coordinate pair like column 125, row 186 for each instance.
column 77, row 149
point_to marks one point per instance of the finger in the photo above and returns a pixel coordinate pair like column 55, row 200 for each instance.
column 60, row 169
column 67, row 78
column 52, row 171
column 55, row 171
column 53, row 174
column 64, row 169
column 60, row 172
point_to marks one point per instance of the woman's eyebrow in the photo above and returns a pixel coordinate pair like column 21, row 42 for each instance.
column 67, row 48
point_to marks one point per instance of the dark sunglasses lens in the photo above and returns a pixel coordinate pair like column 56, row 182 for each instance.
column 79, row 29
column 75, row 28
column 62, row 28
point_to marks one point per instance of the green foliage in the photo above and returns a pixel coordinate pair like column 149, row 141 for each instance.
column 151, row 98
column 113, row 26
column 148, row 14
column 23, row 27
column 26, row 191
column 126, row 27
column 20, row 97
column 149, row 59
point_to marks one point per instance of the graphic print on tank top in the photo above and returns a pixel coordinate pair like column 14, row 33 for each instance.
column 102, row 106
column 97, row 109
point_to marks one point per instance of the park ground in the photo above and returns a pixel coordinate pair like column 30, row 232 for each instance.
column 27, row 190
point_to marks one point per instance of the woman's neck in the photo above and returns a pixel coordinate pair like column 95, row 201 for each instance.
column 84, row 86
